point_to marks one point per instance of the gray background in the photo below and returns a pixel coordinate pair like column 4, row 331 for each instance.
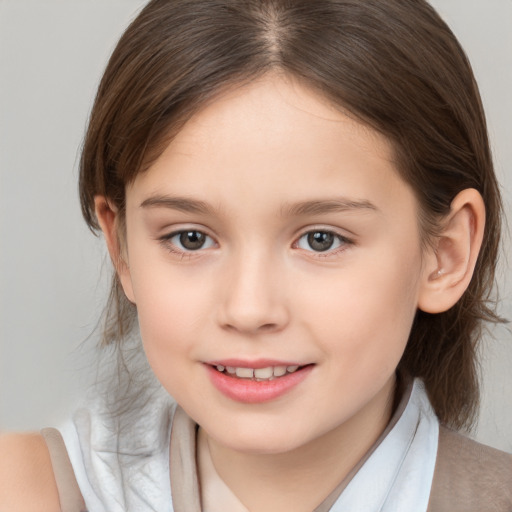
column 53, row 273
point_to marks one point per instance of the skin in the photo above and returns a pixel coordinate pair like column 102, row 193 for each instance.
column 26, row 476
column 254, row 293
column 257, row 289
column 268, row 160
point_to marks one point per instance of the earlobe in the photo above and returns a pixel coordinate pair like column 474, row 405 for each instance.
column 450, row 263
column 108, row 220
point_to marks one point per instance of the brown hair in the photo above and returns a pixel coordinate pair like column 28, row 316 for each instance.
column 393, row 64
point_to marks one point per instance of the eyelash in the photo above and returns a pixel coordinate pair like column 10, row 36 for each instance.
column 342, row 241
column 172, row 247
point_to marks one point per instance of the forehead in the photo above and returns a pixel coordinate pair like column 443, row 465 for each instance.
column 270, row 113
column 273, row 137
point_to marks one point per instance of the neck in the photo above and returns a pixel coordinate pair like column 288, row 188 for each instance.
column 302, row 478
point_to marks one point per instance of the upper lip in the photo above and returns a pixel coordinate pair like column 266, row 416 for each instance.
column 256, row 363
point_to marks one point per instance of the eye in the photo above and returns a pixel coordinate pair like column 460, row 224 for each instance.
column 321, row 241
column 189, row 240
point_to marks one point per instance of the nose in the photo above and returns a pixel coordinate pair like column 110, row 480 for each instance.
column 254, row 299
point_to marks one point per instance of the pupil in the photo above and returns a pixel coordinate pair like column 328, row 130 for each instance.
column 320, row 241
column 192, row 240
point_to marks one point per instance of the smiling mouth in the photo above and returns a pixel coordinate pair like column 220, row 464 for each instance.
column 257, row 374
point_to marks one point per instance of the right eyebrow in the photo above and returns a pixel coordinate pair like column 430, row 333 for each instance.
column 323, row 206
column 183, row 204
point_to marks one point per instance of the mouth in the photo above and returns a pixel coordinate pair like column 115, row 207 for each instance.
column 267, row 373
column 256, row 382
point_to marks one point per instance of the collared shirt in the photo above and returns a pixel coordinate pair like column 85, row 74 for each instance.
column 129, row 470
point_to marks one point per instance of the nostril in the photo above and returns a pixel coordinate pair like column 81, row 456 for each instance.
column 268, row 327
column 252, row 314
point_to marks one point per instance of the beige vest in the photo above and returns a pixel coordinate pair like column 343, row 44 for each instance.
column 468, row 477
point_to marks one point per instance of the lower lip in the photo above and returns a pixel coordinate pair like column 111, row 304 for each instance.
column 253, row 392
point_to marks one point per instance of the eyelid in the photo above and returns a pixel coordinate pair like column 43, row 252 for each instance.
column 326, row 228
column 165, row 240
column 171, row 230
column 345, row 240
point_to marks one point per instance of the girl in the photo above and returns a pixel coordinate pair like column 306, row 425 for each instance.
column 299, row 201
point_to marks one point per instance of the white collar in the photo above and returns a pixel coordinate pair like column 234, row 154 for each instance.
column 130, row 471
column 398, row 475
column 395, row 476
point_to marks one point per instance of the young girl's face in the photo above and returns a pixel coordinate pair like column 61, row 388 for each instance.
column 275, row 232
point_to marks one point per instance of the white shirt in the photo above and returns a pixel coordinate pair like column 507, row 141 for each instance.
column 124, row 470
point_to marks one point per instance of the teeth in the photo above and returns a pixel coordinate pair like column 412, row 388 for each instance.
column 279, row 371
column 264, row 373
column 260, row 374
column 245, row 373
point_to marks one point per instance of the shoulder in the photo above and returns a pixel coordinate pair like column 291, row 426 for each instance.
column 470, row 476
column 26, row 476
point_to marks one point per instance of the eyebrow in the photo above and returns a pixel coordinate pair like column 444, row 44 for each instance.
column 322, row 206
column 311, row 207
column 183, row 204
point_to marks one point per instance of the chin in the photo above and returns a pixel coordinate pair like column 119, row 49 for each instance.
column 262, row 446
column 258, row 440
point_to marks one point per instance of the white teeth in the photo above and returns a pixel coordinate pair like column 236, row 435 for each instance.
column 264, row 373
column 245, row 373
column 279, row 371
column 260, row 374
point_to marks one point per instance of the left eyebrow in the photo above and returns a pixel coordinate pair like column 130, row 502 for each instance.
column 183, row 204
column 323, row 206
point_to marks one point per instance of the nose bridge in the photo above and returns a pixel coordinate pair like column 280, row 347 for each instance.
column 254, row 299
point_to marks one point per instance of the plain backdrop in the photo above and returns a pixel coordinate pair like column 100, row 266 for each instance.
column 53, row 271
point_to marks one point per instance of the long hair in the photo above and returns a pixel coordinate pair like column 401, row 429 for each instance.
column 392, row 64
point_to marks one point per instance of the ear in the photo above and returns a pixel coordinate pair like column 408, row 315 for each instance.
column 108, row 220
column 449, row 265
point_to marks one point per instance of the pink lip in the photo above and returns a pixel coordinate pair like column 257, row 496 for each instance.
column 257, row 363
column 251, row 391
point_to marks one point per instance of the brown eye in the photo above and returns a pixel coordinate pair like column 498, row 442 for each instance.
column 321, row 241
column 189, row 240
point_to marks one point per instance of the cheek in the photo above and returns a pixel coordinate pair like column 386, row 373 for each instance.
column 367, row 313
column 172, row 309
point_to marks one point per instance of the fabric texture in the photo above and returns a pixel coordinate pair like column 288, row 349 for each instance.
column 397, row 477
column 415, row 465
column 470, row 477
column 129, row 470
column 216, row 495
column 70, row 497
column 122, row 466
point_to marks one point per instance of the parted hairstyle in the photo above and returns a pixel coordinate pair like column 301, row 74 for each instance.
column 392, row 64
